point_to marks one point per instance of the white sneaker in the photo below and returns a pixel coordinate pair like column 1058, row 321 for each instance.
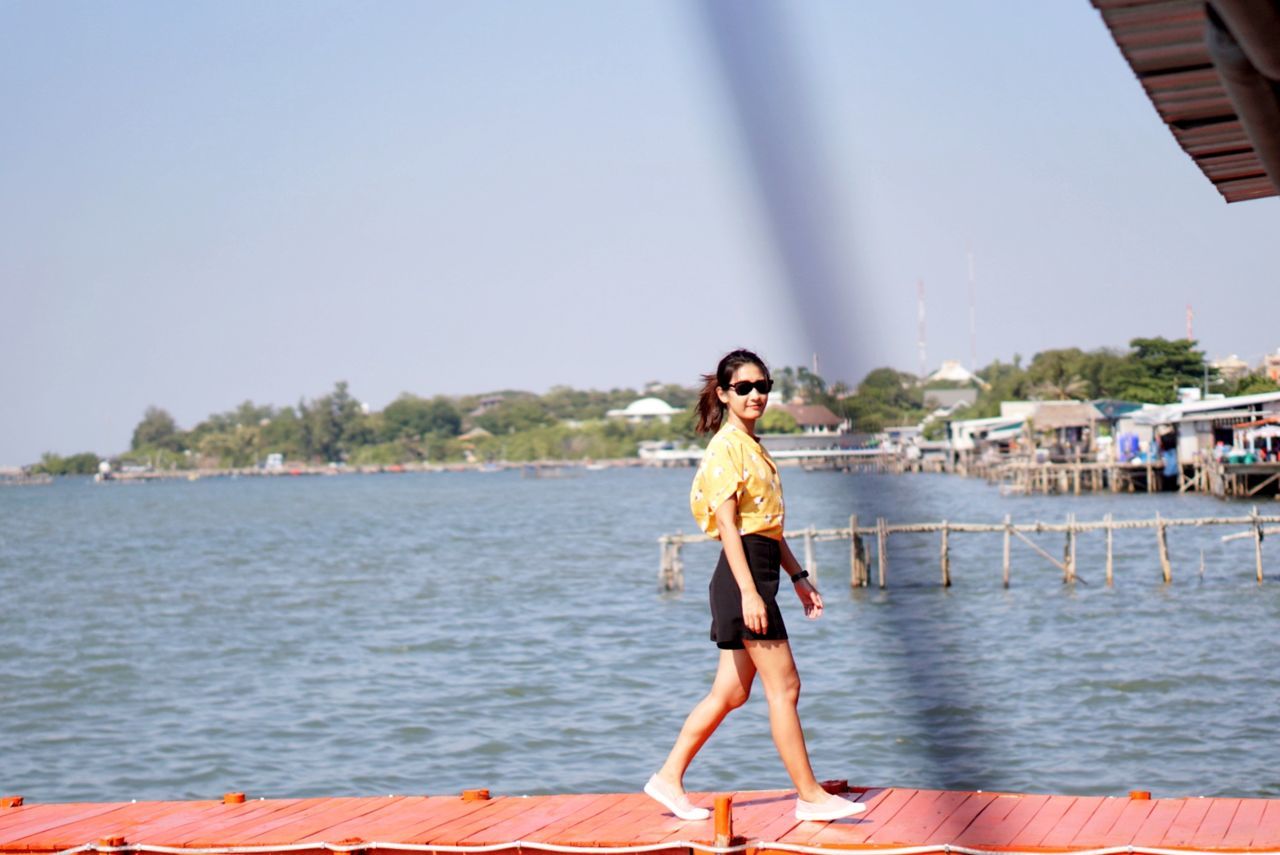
column 833, row 808
column 677, row 803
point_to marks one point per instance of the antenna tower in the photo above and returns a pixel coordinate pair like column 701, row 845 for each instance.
column 1190, row 317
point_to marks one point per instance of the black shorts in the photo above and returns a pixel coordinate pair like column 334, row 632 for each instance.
column 764, row 557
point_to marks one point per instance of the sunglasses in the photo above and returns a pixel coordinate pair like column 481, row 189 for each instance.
column 744, row 387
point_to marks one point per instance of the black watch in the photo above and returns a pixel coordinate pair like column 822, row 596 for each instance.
column 803, row 574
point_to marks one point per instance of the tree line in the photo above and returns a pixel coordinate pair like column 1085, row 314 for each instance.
column 567, row 423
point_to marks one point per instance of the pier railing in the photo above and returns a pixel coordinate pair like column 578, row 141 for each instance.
column 671, row 565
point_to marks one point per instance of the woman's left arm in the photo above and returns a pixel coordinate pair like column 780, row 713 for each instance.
column 806, row 590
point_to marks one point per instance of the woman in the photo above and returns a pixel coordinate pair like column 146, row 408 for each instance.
column 737, row 498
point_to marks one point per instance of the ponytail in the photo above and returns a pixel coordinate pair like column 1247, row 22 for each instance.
column 710, row 410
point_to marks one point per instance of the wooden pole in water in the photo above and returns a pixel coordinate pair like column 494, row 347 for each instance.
column 945, row 556
column 808, row 555
column 853, row 550
column 1257, row 543
column 1162, row 543
column 882, row 540
column 1110, row 533
column 1071, row 549
column 664, row 564
column 1008, row 527
column 860, row 556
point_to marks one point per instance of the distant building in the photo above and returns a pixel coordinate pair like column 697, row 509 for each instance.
column 949, row 399
column 814, row 418
column 951, row 371
column 646, row 410
column 1200, row 425
column 1232, row 368
column 486, row 404
column 1271, row 365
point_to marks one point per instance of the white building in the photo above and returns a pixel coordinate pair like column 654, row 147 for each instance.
column 646, row 410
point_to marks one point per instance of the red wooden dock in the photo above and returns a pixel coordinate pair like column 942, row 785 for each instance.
column 904, row 821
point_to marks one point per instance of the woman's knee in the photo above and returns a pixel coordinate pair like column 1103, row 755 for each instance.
column 731, row 697
column 784, row 690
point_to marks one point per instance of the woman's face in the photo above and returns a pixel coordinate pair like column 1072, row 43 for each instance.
column 750, row 406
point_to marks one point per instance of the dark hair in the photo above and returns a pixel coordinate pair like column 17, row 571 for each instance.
column 710, row 410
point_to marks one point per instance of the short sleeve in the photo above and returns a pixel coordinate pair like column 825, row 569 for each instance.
column 719, row 477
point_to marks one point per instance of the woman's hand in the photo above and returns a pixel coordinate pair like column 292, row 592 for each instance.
column 809, row 598
column 753, row 612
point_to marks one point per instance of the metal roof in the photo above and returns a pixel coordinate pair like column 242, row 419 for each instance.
column 1164, row 43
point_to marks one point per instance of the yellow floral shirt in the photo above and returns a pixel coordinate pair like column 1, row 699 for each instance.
column 736, row 464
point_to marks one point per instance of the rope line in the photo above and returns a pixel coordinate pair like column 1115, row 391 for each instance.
column 693, row 846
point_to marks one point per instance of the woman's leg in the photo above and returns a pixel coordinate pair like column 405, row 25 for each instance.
column 729, row 691
column 777, row 669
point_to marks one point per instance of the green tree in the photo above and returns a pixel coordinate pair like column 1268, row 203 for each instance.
column 812, row 385
column 786, row 380
column 283, row 434
column 238, row 447
column 1058, row 375
column 1158, row 366
column 411, row 416
column 156, row 430
column 777, row 421
column 516, row 414
column 75, row 464
column 332, row 424
column 885, row 397
column 1253, row 384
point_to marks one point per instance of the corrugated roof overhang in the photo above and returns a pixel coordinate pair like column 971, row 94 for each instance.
column 1165, row 44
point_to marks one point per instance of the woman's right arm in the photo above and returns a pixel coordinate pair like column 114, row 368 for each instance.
column 753, row 612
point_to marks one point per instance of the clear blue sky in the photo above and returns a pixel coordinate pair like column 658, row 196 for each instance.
column 208, row 202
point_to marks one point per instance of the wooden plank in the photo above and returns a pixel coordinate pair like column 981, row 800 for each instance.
column 179, row 829
column 1183, row 829
column 958, row 820
column 1094, row 833
column 915, row 812
column 1023, row 814
column 894, row 817
column 129, row 822
column 1070, row 823
column 1153, row 830
column 484, row 826
column 234, row 823
column 882, row 807
column 919, row 821
column 401, row 812
column 1130, row 820
column 851, row 831
column 1215, row 823
column 1244, row 825
column 33, row 819
column 623, row 812
column 57, row 835
column 985, row 825
column 639, row 819
column 553, row 831
column 767, row 815
column 1268, row 834
column 181, row 824
column 1045, row 820
column 540, row 812
column 445, row 811
column 309, row 824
